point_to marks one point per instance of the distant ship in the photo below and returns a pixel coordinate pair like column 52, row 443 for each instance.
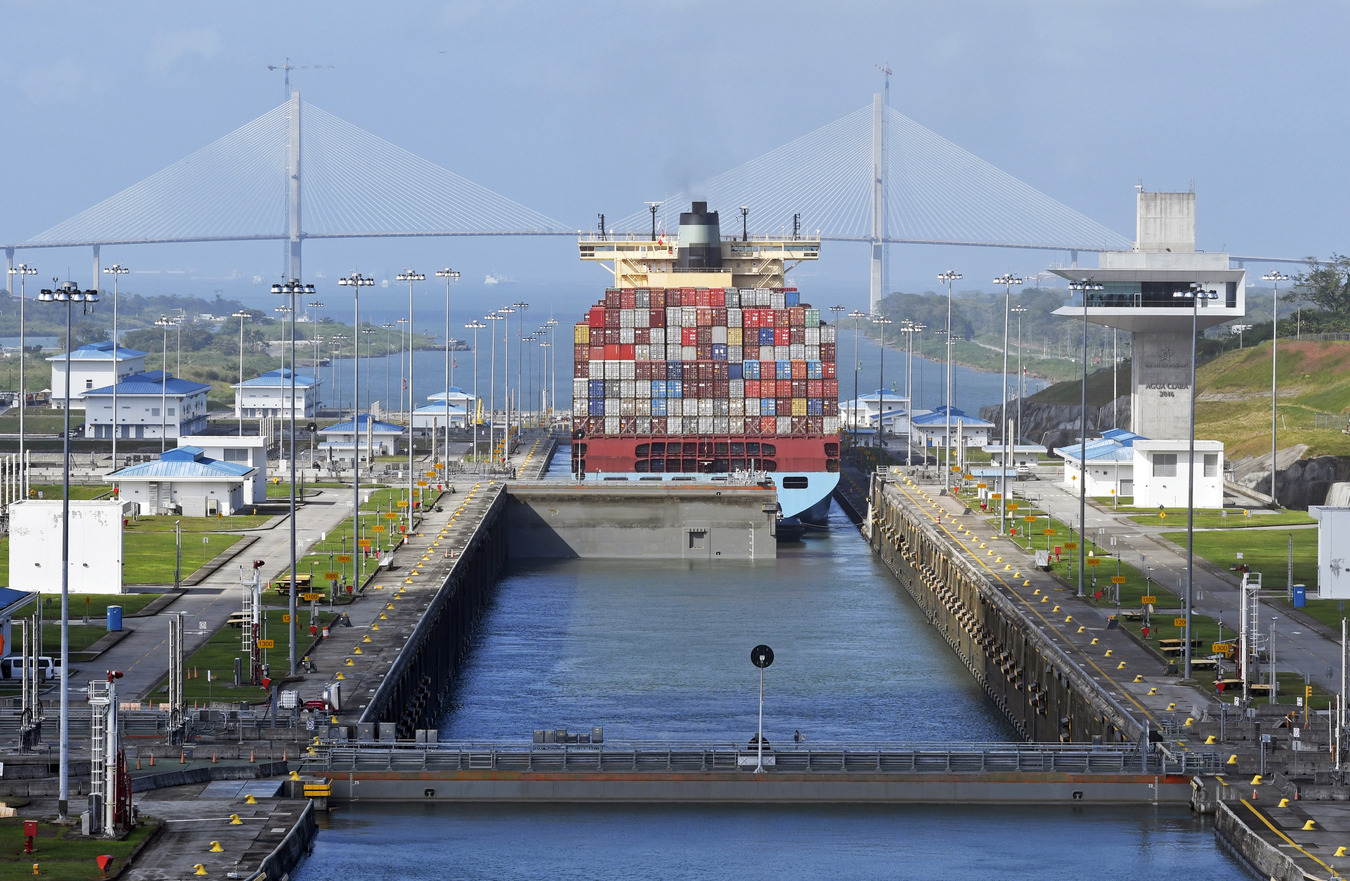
column 700, row 360
column 493, row 278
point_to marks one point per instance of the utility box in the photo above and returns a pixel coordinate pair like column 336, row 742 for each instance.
column 1333, row 561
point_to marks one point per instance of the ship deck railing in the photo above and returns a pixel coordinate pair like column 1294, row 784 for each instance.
column 841, row 758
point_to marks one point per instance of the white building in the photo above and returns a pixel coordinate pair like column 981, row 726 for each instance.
column 250, row 450
column 865, row 412
column 930, row 428
column 95, row 545
column 432, row 416
column 270, row 395
column 375, row 438
column 1333, row 551
column 1110, row 464
column 1161, row 473
column 184, row 480
column 1021, row 454
column 93, row 366
column 153, row 404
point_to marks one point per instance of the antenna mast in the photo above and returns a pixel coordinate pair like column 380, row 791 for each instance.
column 288, row 67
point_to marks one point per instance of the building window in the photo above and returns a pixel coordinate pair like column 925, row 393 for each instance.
column 1211, row 464
column 1164, row 464
column 154, row 411
column 236, row 455
column 88, row 383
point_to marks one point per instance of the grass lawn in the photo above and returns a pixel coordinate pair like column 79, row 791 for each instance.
column 1225, row 519
column 148, row 557
column 77, row 490
column 61, row 851
column 1266, row 552
column 93, row 605
column 239, row 522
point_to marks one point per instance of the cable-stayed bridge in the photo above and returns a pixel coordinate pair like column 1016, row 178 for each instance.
column 298, row 172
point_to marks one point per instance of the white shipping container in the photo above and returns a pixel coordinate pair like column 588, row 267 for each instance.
column 827, row 334
column 737, row 388
column 720, row 407
column 752, row 407
column 797, row 352
column 733, row 299
column 627, row 388
column 733, row 317
column 719, row 336
column 642, row 353
column 643, row 299
column 627, row 369
column 705, row 425
column 674, row 317
column 689, row 316
column 611, row 425
column 736, row 407
column 780, row 353
column 644, row 388
column 627, row 317
column 831, row 424
column 658, row 337
column 643, row 319
column 721, row 425
column 644, row 425
column 580, row 389
column 596, row 371
column 691, row 424
column 627, row 407
column 734, row 353
column 689, row 353
column 674, row 352
column 784, row 422
column 675, row 407
column 579, row 406
column 626, row 336
column 813, row 353
column 813, row 336
column 705, row 406
column 643, row 406
column 612, row 370
column 611, row 407
column 777, row 300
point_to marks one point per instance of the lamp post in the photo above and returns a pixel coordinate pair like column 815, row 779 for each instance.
column 948, row 277
column 553, row 367
column 450, row 275
column 356, row 281
column 164, row 322
column 337, row 340
column 367, row 332
column 69, row 294
column 117, row 270
column 492, row 384
column 387, row 373
column 316, row 305
column 23, row 270
column 475, row 326
column 506, row 312
column 1274, row 276
column 1083, row 286
column 1195, row 293
column 857, row 315
column 1019, row 310
column 910, row 328
column 1007, row 279
column 402, row 349
column 411, row 277
column 881, row 321
column 1239, row 329
column 243, row 315
column 520, row 307
column 292, row 288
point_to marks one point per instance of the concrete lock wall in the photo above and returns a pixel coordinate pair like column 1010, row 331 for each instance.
column 643, row 522
column 95, row 546
column 1041, row 692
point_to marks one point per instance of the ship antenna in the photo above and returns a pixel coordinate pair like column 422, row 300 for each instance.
column 652, row 206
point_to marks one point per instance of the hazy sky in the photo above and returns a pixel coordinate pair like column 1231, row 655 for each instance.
column 576, row 108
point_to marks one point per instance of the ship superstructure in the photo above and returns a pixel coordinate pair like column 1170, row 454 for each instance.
column 702, row 360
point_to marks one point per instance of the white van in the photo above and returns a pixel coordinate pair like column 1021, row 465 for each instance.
column 11, row 667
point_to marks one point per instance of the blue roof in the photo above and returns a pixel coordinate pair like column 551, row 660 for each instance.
column 1123, row 437
column 454, row 393
column 99, row 352
column 439, row 409
column 939, row 417
column 9, row 596
column 378, row 426
column 152, row 382
column 877, row 395
column 1098, row 450
column 183, row 463
column 278, row 379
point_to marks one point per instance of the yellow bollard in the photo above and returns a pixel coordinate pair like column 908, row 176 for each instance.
column 250, row 800
column 1120, row 666
column 295, row 775
column 235, row 821
column 1211, row 740
column 1036, row 592
column 357, row 650
column 1188, row 723
column 1284, row 803
column 1172, row 706
column 1256, row 781
column 1153, row 691
column 1108, row 654
column 366, row 638
column 201, row 870
column 1045, row 599
column 1081, row 628
column 1232, row 760
column 216, row 848
column 340, row 676
column 1310, row 826
column 1068, row 620
column 1340, row 851
column 1138, row 678
column 1055, row 609
column 351, row 663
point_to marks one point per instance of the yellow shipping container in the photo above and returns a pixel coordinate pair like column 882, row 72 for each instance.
column 733, row 336
column 583, row 335
column 799, row 406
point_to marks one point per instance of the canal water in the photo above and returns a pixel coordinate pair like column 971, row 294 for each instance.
column 660, row 652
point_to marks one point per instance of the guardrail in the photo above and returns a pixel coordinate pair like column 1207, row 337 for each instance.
column 851, row 758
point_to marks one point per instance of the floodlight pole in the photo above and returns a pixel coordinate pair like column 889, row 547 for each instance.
column 410, row 276
column 1007, row 280
column 242, row 315
column 449, row 275
column 475, row 326
column 23, row 270
column 356, row 281
column 1083, row 286
column 117, row 270
column 949, row 277
column 1274, row 276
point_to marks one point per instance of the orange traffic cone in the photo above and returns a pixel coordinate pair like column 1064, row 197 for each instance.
column 182, row 757
column 250, row 755
column 152, row 760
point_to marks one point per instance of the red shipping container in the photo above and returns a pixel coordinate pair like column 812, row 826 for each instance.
column 768, row 388
column 798, row 388
column 658, row 422
column 596, row 317
column 827, row 369
column 707, row 388
column 688, row 294
column 768, row 424
column 658, row 298
column 830, row 389
column 627, row 299
column 611, row 336
column 780, row 336
column 827, row 352
column 657, row 317
column 612, row 298
column 643, row 371
column 719, row 297
column 752, row 387
column 673, row 298
column 597, row 353
column 642, row 336
column 581, row 353
column 798, row 372
column 704, row 336
column 612, row 318
column 689, row 336
column 721, row 388
column 703, row 316
column 784, row 405
column 768, row 369
column 611, row 352
column 627, row 352
column 801, row 424
column 750, row 352
column 796, row 316
column 704, row 353
column 719, row 316
column 797, row 336
column 581, row 369
column 703, row 297
column 767, row 318
column 720, row 371
column 750, row 318
column 815, row 388
column 817, row 424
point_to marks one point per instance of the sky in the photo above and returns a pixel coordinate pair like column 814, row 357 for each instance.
column 574, row 109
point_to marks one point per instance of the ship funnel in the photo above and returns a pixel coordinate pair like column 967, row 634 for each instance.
column 700, row 239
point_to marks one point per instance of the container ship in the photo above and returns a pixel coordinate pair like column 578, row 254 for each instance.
column 700, row 360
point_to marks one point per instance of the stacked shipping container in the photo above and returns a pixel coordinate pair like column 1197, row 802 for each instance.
column 705, row 362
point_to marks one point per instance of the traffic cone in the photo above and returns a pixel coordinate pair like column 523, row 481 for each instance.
column 182, row 757
column 152, row 760
column 250, row 756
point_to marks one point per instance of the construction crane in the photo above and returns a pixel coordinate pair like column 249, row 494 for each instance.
column 288, row 67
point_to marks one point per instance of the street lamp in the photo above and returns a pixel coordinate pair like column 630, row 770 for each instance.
column 402, row 350
column 882, row 321
column 553, row 366
column 243, row 315
column 314, row 304
column 475, row 326
column 520, row 307
column 292, row 288
column 1083, row 286
column 356, row 281
column 1238, row 329
column 948, row 277
column 23, row 270
column 387, row 372
column 411, row 277
column 857, row 315
column 450, row 275
column 1195, row 293
column 68, row 293
column 505, row 314
column 164, row 322
column 367, row 332
column 910, row 328
column 117, row 270
column 1019, row 310
column 1276, row 277
column 1007, row 279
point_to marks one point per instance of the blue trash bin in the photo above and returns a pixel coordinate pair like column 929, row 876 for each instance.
column 1300, row 596
column 114, row 619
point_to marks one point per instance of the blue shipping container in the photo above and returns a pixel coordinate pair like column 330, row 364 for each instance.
column 658, row 388
column 766, row 336
column 658, row 406
column 766, row 407
column 719, row 352
column 596, row 388
column 734, row 371
column 784, row 370
column 792, row 298
column 598, row 407
column 814, row 371
column 815, row 407
column 674, row 370
column 751, row 370
column 675, row 388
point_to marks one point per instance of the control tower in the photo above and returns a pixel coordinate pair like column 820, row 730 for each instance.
column 1139, row 295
